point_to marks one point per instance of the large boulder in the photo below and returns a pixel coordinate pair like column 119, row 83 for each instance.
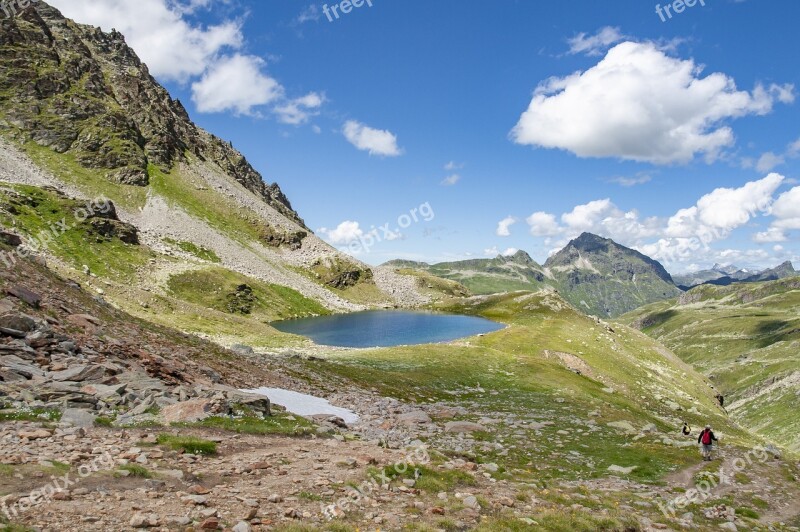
column 78, row 418
column 417, row 417
column 189, row 411
column 17, row 322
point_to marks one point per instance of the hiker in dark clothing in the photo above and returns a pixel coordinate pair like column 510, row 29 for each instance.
column 686, row 430
column 721, row 399
column 706, row 438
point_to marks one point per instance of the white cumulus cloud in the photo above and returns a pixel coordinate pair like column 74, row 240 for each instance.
column 640, row 104
column 504, row 226
column 344, row 233
column 237, row 84
column 725, row 209
column 688, row 234
column 175, row 48
column 375, row 141
column 786, row 210
column 773, row 234
column 543, row 224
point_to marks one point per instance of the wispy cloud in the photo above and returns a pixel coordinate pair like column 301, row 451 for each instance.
column 451, row 180
column 375, row 141
column 631, row 181
column 596, row 44
column 300, row 110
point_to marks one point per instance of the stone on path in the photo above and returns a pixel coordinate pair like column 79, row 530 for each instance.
column 623, row 470
column 417, row 417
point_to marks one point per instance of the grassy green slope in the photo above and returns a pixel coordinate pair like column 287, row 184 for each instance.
column 484, row 276
column 200, row 298
column 34, row 212
column 745, row 337
column 625, row 376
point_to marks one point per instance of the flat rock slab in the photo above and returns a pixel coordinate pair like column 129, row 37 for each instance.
column 36, row 434
column 79, row 374
column 21, row 367
column 463, row 427
column 418, row 417
column 84, row 320
column 78, row 418
column 620, row 469
column 625, row 426
column 23, row 294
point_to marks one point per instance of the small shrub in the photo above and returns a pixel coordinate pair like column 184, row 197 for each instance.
column 136, row 470
column 747, row 512
column 31, row 414
column 104, row 421
column 760, row 503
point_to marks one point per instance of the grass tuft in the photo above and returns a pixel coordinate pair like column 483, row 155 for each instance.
column 188, row 444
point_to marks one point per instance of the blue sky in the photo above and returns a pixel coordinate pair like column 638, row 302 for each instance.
column 510, row 124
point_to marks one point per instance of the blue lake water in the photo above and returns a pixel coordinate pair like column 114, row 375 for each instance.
column 387, row 328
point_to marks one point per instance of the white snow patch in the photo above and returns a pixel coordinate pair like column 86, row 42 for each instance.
column 304, row 404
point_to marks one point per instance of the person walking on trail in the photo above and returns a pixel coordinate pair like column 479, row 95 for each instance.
column 707, row 438
column 686, row 430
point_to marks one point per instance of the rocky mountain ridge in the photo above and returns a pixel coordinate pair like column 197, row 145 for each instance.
column 83, row 92
column 593, row 273
column 723, row 275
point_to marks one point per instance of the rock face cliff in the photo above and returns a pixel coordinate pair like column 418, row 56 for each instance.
column 85, row 93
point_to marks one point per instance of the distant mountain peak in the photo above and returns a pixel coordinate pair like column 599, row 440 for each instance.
column 727, row 269
column 591, row 242
column 520, row 257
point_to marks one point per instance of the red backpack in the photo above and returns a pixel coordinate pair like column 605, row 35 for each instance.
column 706, row 437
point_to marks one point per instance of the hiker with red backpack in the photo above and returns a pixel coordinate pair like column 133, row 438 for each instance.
column 707, row 438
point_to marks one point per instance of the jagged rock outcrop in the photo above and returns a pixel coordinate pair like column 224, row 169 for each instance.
column 80, row 91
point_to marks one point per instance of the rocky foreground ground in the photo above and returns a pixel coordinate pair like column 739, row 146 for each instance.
column 109, row 423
